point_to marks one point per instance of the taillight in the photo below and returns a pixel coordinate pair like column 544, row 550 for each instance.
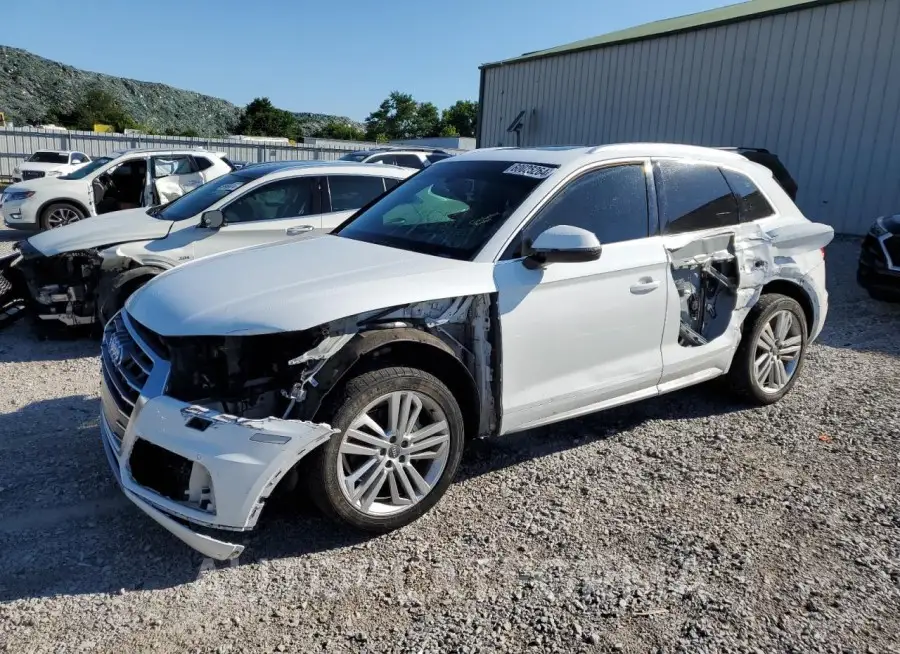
column 822, row 250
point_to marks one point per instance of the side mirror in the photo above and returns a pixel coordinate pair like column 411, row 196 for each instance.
column 562, row 244
column 212, row 219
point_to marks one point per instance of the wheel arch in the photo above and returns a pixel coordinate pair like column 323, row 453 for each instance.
column 796, row 292
column 408, row 347
column 75, row 203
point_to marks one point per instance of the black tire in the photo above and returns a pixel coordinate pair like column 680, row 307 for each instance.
column 46, row 213
column 740, row 377
column 353, row 397
column 120, row 290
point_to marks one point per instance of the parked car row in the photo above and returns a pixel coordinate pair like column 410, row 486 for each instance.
column 486, row 293
column 122, row 180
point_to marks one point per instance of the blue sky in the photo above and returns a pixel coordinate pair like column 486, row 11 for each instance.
column 339, row 56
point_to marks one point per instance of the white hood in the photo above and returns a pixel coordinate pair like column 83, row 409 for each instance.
column 105, row 229
column 41, row 165
column 295, row 285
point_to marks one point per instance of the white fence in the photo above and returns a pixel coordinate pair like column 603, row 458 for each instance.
column 16, row 143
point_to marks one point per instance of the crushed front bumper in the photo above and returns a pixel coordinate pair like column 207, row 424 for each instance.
column 190, row 468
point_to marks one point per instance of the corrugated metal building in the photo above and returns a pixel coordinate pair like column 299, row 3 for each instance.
column 816, row 81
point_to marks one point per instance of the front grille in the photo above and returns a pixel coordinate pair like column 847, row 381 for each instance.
column 125, row 368
column 892, row 245
column 32, row 174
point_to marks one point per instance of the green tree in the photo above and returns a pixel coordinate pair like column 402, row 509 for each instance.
column 395, row 118
column 262, row 118
column 427, row 121
column 462, row 116
column 448, row 130
column 342, row 131
column 97, row 106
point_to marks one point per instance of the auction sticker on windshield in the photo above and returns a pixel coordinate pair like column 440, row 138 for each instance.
column 530, row 170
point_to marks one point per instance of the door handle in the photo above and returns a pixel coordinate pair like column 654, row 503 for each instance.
column 298, row 229
column 645, row 285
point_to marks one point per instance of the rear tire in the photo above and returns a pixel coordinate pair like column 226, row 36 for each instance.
column 772, row 351
column 403, row 475
column 59, row 214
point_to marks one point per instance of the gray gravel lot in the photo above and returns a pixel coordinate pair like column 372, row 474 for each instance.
column 684, row 523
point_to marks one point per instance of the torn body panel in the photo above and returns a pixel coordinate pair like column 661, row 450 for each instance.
column 718, row 278
column 216, row 423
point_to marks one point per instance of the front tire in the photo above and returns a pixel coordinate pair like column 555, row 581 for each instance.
column 399, row 442
column 59, row 214
column 772, row 350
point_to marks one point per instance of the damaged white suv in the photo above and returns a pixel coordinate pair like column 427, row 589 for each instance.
column 492, row 292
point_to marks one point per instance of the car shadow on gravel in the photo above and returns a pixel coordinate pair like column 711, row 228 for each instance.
column 21, row 343
column 492, row 454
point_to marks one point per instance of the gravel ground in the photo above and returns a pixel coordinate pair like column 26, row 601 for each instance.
column 684, row 523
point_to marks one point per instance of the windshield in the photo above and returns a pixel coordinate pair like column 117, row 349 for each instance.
column 84, row 171
column 49, row 157
column 202, row 198
column 355, row 156
column 449, row 210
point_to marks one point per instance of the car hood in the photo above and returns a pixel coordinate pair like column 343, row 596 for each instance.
column 296, row 285
column 47, row 184
column 41, row 165
column 892, row 223
column 102, row 230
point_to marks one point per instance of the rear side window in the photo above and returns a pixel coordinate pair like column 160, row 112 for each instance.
column 610, row 202
column 693, row 197
column 408, row 161
column 752, row 204
column 384, row 159
column 350, row 192
column 390, row 182
column 202, row 163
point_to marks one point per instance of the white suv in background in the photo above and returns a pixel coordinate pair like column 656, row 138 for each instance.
column 49, row 163
column 492, row 292
column 122, row 180
column 79, row 272
column 408, row 157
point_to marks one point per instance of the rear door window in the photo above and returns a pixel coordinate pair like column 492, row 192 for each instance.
column 384, row 159
column 752, row 204
column 408, row 161
column 693, row 197
column 350, row 192
column 202, row 163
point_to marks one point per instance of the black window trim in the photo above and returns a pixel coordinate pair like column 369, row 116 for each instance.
column 721, row 166
column 326, row 190
column 766, row 196
column 645, row 163
column 317, row 197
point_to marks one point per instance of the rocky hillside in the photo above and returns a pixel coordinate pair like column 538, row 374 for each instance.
column 31, row 88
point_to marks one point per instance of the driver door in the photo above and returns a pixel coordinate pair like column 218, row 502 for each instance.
column 173, row 176
column 274, row 211
column 578, row 337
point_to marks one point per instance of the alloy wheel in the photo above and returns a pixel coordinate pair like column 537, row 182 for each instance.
column 777, row 352
column 393, row 453
column 62, row 216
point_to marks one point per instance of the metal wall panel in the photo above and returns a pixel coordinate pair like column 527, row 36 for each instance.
column 16, row 143
column 819, row 86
